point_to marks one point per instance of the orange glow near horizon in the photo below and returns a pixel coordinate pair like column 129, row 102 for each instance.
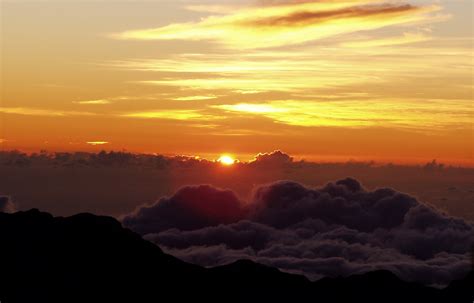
column 382, row 80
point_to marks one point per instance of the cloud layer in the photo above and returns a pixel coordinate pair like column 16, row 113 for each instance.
column 339, row 229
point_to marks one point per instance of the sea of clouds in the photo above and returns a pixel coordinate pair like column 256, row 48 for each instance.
column 336, row 230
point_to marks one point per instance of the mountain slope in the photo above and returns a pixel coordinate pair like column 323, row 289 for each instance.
column 87, row 258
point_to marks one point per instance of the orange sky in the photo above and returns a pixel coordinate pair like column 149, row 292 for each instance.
column 342, row 79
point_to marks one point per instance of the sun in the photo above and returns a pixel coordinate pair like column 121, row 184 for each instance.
column 226, row 160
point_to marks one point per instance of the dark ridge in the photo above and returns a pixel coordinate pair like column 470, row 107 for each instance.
column 87, row 258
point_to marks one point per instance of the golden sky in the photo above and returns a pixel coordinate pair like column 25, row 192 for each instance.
column 327, row 79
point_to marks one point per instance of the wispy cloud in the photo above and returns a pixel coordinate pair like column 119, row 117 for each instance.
column 349, row 78
column 96, row 143
column 93, row 102
column 407, row 114
column 407, row 38
column 184, row 114
column 289, row 24
column 195, row 98
column 42, row 112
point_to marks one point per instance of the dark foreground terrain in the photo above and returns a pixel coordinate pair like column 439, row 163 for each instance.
column 86, row 258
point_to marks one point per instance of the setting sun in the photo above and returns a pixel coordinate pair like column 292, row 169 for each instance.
column 226, row 160
column 312, row 147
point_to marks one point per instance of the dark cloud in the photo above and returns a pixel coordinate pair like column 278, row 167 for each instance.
column 6, row 205
column 274, row 159
column 303, row 18
column 345, row 202
column 190, row 208
column 338, row 229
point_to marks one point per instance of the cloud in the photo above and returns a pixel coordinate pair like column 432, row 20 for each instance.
column 95, row 143
column 6, row 205
column 93, row 102
column 407, row 38
column 195, row 98
column 406, row 114
column 288, row 24
column 338, row 229
column 42, row 112
column 275, row 159
column 184, row 114
column 190, row 208
column 304, row 18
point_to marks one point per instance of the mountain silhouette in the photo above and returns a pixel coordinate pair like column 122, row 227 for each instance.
column 88, row 258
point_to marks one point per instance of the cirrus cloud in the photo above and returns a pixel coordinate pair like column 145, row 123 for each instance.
column 288, row 24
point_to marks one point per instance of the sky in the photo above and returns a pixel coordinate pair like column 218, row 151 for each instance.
column 389, row 81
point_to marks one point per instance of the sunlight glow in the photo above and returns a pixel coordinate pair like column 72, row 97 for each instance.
column 407, row 114
column 226, row 160
column 95, row 143
column 93, row 102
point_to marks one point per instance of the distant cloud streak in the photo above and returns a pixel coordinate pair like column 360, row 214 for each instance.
column 42, row 112
column 171, row 115
column 195, row 98
column 95, row 143
column 93, row 102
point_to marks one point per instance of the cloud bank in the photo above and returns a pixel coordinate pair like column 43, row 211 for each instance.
column 339, row 229
column 90, row 184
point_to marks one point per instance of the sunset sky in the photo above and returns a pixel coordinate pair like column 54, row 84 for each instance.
column 323, row 80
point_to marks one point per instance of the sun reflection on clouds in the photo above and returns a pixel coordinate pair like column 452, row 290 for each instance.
column 421, row 116
column 287, row 24
column 97, row 143
column 93, row 102
column 195, row 98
